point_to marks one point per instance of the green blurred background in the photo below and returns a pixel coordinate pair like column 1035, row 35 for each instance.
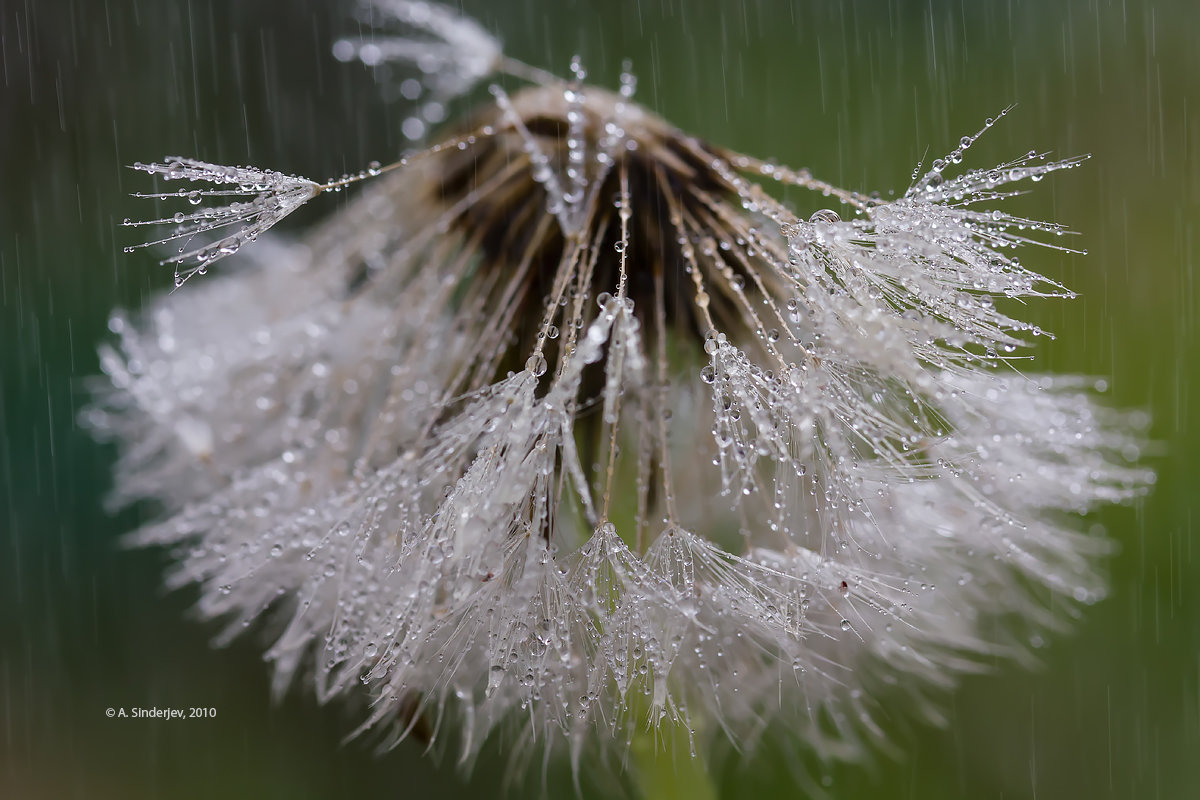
column 858, row 91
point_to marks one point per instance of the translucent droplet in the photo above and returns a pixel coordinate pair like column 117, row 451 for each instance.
column 412, row 128
column 536, row 364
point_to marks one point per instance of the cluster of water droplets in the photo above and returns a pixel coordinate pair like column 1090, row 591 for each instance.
column 253, row 201
column 571, row 183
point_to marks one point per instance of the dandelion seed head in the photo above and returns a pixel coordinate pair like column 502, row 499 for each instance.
column 569, row 415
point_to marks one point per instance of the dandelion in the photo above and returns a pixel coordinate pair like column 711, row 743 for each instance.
column 569, row 422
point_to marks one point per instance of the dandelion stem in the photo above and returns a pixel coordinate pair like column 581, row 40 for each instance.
column 519, row 69
column 624, row 214
column 802, row 178
column 660, row 304
column 665, row 768
column 376, row 171
column 362, row 176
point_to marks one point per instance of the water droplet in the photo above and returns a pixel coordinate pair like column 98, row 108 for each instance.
column 536, row 364
column 412, row 128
